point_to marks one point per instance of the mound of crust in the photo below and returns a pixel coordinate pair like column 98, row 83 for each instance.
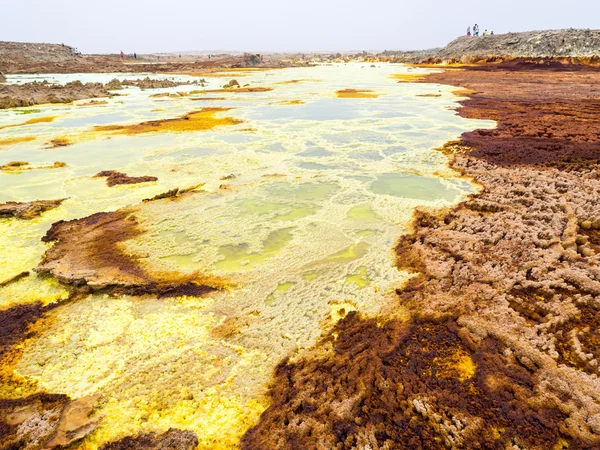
column 45, row 421
column 114, row 178
column 27, row 94
column 28, row 210
column 86, row 253
column 170, row 440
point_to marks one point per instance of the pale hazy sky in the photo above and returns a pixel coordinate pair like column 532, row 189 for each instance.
column 109, row 26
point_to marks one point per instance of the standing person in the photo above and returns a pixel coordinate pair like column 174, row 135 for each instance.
column 476, row 30
column 122, row 54
column 469, row 30
column 134, row 55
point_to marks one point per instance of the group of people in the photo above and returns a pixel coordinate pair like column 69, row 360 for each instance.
column 476, row 31
column 123, row 55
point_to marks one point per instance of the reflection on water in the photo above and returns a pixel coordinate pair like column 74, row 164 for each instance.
column 299, row 209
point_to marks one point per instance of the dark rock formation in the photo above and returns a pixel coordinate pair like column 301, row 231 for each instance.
column 28, row 210
column 114, row 178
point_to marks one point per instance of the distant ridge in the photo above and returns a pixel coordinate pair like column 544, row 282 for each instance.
column 567, row 43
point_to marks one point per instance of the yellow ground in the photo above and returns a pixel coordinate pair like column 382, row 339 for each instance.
column 356, row 93
column 203, row 119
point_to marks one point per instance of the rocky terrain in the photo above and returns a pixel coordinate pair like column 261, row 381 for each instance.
column 18, row 57
column 28, row 94
column 570, row 43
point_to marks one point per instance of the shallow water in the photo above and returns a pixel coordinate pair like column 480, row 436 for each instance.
column 322, row 190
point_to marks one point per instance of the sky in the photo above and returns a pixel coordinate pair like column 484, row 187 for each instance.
column 148, row 26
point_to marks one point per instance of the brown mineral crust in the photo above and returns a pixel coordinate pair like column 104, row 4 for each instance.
column 27, row 94
column 515, row 267
column 175, row 194
column 45, row 421
column 545, row 117
column 172, row 439
column 87, row 253
column 113, row 85
column 28, row 210
column 428, row 384
column 20, row 166
column 114, row 178
column 40, row 420
column 17, row 323
column 14, row 325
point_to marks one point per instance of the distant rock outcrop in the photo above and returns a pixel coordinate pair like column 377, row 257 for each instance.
column 28, row 94
column 532, row 44
column 569, row 43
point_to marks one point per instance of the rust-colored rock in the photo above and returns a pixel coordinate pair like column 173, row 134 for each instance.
column 28, row 210
column 114, row 178
column 170, row 440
